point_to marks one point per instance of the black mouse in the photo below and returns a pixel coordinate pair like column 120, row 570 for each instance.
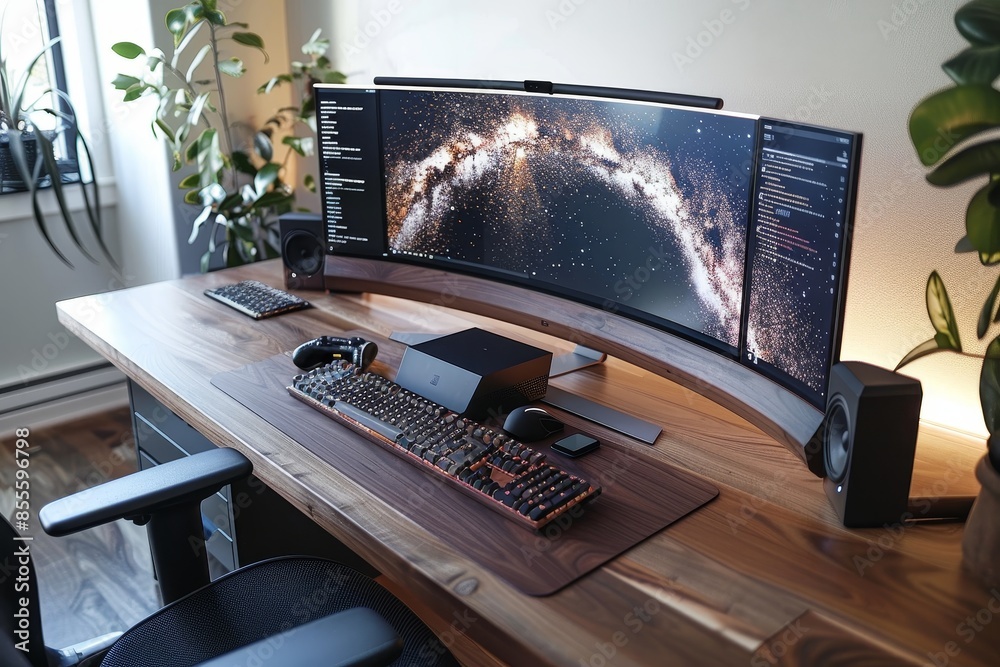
column 529, row 424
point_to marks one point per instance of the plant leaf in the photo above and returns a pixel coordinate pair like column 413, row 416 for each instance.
column 274, row 198
column 210, row 161
column 165, row 129
column 947, row 117
column 251, row 39
column 922, row 350
column 978, row 160
column 197, row 60
column 198, row 222
column 215, row 17
column 190, row 181
column 976, row 65
column 979, row 22
column 241, row 161
column 275, row 82
column 267, row 175
column 263, row 146
column 134, row 92
column 987, row 312
column 176, row 21
column 982, row 221
column 128, row 50
column 942, row 316
column 309, row 182
column 124, row 82
column 187, row 39
column 46, row 154
column 989, row 387
column 232, row 67
column 194, row 115
column 296, row 144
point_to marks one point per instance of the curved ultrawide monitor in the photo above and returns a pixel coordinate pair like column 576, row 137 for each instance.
column 724, row 229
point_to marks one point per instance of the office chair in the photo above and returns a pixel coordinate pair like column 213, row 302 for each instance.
column 293, row 611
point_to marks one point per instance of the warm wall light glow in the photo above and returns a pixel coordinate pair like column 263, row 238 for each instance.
column 950, row 383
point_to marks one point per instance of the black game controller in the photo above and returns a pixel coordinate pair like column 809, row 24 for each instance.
column 326, row 349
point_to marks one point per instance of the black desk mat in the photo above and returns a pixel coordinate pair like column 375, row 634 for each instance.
column 640, row 496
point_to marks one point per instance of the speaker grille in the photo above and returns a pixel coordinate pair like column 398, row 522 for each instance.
column 302, row 253
column 518, row 394
column 837, row 438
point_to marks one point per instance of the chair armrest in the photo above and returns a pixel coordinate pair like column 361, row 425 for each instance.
column 140, row 494
column 89, row 652
column 354, row 638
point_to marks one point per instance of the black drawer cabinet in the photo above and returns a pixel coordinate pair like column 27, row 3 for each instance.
column 245, row 522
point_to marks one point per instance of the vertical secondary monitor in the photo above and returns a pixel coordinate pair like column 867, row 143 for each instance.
column 803, row 205
column 350, row 170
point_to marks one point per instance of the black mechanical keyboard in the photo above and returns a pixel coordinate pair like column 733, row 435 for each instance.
column 500, row 472
column 256, row 299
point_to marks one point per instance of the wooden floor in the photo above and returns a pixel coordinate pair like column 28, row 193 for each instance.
column 99, row 580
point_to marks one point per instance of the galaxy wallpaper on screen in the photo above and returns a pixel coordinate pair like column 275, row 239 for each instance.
column 632, row 204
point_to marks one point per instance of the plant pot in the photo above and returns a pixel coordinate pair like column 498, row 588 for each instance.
column 10, row 178
column 981, row 541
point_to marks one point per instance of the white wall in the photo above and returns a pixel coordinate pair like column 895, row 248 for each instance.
column 853, row 65
column 139, row 160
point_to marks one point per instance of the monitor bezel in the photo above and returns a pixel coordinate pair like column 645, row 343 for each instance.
column 649, row 98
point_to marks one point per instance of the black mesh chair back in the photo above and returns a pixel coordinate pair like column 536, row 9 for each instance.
column 260, row 601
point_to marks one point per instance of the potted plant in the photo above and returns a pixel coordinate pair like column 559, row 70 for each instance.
column 29, row 156
column 241, row 189
column 937, row 125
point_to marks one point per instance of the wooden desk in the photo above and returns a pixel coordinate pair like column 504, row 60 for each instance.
column 763, row 574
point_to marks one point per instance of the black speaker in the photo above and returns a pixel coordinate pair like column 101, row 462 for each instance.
column 302, row 250
column 869, row 436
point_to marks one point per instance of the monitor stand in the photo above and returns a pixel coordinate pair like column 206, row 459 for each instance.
column 580, row 357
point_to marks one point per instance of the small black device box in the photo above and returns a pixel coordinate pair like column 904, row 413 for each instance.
column 575, row 445
column 475, row 372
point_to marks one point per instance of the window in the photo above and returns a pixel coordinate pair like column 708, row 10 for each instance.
column 28, row 26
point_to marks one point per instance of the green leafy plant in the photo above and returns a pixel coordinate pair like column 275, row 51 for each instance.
column 33, row 152
column 937, row 125
column 241, row 189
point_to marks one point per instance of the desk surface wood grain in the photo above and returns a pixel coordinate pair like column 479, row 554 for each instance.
column 737, row 582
